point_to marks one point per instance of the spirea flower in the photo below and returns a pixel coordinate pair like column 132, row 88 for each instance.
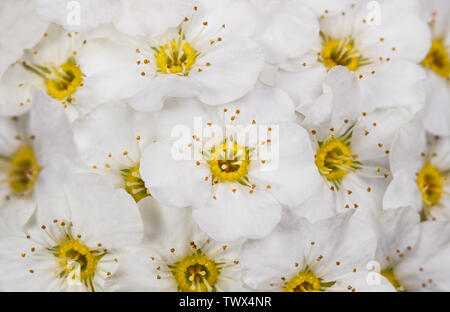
column 330, row 255
column 33, row 157
column 206, row 55
column 179, row 256
column 381, row 56
column 437, row 62
column 420, row 168
column 236, row 164
column 73, row 244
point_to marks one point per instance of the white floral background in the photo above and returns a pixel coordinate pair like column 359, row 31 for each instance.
column 350, row 96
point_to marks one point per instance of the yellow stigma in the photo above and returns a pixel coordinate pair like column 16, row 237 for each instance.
column 175, row 57
column 430, row 184
column 390, row 276
column 134, row 184
column 77, row 260
column 24, row 170
column 334, row 159
column 438, row 59
column 196, row 273
column 340, row 52
column 229, row 162
column 64, row 81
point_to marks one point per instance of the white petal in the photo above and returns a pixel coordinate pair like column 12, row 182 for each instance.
column 238, row 214
column 236, row 63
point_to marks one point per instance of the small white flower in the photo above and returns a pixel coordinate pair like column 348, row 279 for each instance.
column 351, row 149
column 52, row 65
column 411, row 256
column 209, row 55
column 111, row 140
column 437, row 110
column 178, row 256
column 420, row 168
column 33, row 158
column 75, row 242
column 382, row 57
column 298, row 256
column 238, row 186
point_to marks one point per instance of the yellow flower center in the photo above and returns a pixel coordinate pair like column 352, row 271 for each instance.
column 134, row 184
column 61, row 81
column 24, row 170
column 438, row 59
column 334, row 159
column 430, row 184
column 229, row 162
column 390, row 276
column 77, row 260
column 196, row 273
column 175, row 57
column 306, row 281
column 64, row 81
column 340, row 52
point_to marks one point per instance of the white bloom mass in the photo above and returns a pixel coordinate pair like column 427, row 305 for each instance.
column 225, row 145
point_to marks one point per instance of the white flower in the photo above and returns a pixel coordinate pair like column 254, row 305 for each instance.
column 75, row 242
column 111, row 140
column 52, row 65
column 33, row 158
column 437, row 110
column 20, row 29
column 298, row 256
column 178, row 256
column 351, row 148
column 209, row 55
column 238, row 186
column 411, row 256
column 420, row 168
column 383, row 57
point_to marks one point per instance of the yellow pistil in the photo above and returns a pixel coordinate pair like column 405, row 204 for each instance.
column 61, row 81
column 24, row 170
column 438, row 59
column 77, row 260
column 390, row 276
column 229, row 162
column 195, row 273
column 176, row 57
column 334, row 159
column 64, row 81
column 305, row 281
column 430, row 184
column 340, row 52
column 134, row 184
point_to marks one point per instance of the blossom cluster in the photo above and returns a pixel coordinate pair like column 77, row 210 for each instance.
column 224, row 145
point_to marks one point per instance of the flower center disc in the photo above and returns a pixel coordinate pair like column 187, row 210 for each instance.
column 77, row 260
column 304, row 281
column 229, row 162
column 25, row 170
column 334, row 159
column 438, row 59
column 134, row 184
column 176, row 57
column 64, row 81
column 340, row 52
column 430, row 184
column 195, row 273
